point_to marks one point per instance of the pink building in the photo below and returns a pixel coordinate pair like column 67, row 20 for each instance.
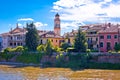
column 108, row 37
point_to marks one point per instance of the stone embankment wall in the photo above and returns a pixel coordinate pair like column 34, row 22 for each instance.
column 107, row 58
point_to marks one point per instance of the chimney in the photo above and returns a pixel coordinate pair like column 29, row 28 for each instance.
column 11, row 31
column 109, row 24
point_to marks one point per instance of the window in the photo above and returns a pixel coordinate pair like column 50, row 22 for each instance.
column 21, row 44
column 88, row 39
column 115, row 43
column 11, row 38
column 115, row 36
column 14, row 44
column 101, row 37
column 108, row 36
column 11, row 44
column 97, row 46
column 41, row 42
column 101, row 44
column 96, row 39
column 52, row 40
column 68, row 40
column 18, row 44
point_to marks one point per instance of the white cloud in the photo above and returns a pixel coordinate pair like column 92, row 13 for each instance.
column 107, row 0
column 68, row 25
column 39, row 24
column 25, row 19
column 19, row 24
column 86, row 10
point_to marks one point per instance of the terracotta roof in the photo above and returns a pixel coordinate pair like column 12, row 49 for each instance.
column 18, row 30
column 109, row 29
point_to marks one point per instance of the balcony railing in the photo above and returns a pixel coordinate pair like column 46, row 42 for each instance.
column 92, row 35
column 92, row 42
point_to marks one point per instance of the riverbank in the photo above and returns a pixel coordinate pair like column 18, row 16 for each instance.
column 19, row 64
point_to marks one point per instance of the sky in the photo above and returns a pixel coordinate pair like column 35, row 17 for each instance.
column 73, row 13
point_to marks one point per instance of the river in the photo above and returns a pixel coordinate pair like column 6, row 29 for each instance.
column 8, row 72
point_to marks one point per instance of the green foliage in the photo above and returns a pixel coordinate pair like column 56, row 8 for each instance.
column 117, row 47
column 64, row 46
column 41, row 48
column 80, row 43
column 71, row 50
column 29, row 58
column 12, row 50
column 93, row 65
column 88, row 50
column 94, row 50
column 78, row 61
column 19, row 49
column 32, row 37
column 57, row 49
column 48, row 48
column 6, row 56
column 8, row 50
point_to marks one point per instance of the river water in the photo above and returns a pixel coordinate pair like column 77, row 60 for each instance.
column 8, row 72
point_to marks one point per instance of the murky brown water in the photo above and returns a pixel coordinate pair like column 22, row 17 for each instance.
column 37, row 73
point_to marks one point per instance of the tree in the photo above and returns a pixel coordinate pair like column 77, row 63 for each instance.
column 80, row 42
column 32, row 37
column 41, row 48
column 64, row 46
column 117, row 47
column 48, row 48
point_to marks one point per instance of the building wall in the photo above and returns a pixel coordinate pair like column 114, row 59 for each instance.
column 112, row 41
column 92, row 39
column 0, row 43
column 54, row 41
column 69, row 40
column 16, row 40
column 5, row 42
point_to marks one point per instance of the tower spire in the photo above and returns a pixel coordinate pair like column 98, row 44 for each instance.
column 17, row 25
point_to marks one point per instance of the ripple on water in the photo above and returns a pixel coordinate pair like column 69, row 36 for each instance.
column 11, row 76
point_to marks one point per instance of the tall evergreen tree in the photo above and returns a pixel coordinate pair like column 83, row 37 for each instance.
column 80, row 43
column 32, row 37
column 48, row 48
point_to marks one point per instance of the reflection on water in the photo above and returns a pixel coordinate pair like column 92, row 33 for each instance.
column 37, row 73
column 11, row 76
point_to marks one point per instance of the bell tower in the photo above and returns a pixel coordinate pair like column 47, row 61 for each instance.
column 57, row 24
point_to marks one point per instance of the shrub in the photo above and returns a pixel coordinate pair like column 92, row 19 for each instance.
column 29, row 58
column 88, row 50
column 71, row 50
column 41, row 48
column 6, row 56
column 19, row 49
column 117, row 47
column 7, row 50
column 64, row 46
column 57, row 49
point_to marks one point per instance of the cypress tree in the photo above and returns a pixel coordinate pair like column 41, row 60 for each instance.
column 48, row 48
column 32, row 37
column 80, row 42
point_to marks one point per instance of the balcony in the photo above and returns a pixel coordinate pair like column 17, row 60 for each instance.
column 91, row 35
column 92, row 42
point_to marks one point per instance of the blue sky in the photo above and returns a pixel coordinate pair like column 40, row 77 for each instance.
column 73, row 13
